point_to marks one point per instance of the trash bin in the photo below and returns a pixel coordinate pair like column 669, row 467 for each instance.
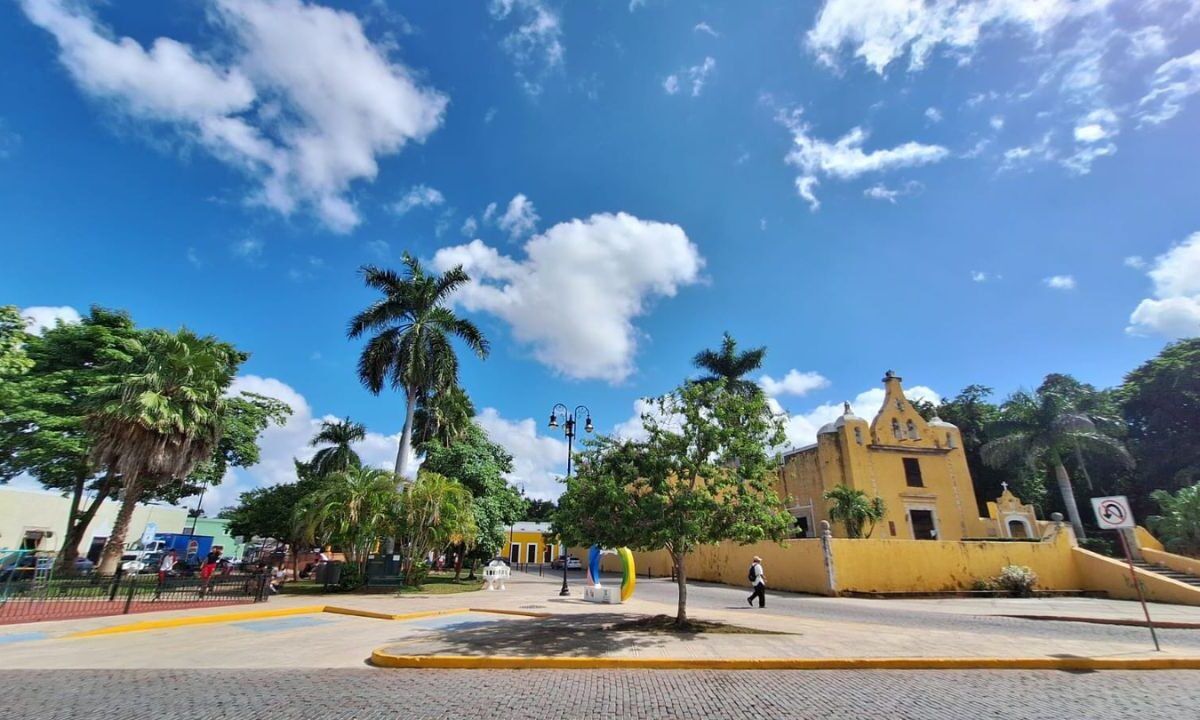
column 329, row 573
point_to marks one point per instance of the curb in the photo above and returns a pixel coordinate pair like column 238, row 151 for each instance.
column 383, row 659
column 1158, row 624
column 283, row 612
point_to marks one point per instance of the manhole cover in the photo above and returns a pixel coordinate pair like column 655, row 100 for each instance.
column 532, row 607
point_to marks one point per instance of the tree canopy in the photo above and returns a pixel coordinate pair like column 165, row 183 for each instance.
column 730, row 366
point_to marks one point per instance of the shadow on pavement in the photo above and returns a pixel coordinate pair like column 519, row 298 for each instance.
column 581, row 635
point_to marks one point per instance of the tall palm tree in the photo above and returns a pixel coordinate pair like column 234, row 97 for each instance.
column 1044, row 428
column 730, row 365
column 411, row 349
column 443, row 416
column 855, row 510
column 338, row 456
column 352, row 509
column 159, row 416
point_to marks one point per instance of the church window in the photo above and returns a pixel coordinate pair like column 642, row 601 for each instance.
column 912, row 431
column 950, row 440
column 912, row 472
column 858, row 438
column 896, row 430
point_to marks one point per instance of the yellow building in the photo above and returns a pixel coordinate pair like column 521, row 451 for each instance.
column 527, row 543
column 917, row 467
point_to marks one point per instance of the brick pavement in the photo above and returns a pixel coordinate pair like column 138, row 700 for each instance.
column 377, row 694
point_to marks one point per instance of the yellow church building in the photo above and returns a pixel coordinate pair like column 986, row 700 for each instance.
column 917, row 467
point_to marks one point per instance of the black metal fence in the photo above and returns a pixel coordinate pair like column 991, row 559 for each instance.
column 34, row 593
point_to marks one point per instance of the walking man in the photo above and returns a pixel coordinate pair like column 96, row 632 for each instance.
column 759, row 582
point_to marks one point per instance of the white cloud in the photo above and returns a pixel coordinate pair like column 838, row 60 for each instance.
column 39, row 318
column 489, row 212
column 1137, row 262
column 880, row 191
column 980, row 276
column 582, row 283
column 418, row 196
column 794, row 383
column 762, row 224
column 278, row 445
column 520, row 219
column 635, row 4
column 881, row 32
column 1147, row 42
column 1025, row 154
column 249, row 249
column 801, row 428
column 193, row 258
column 671, row 84
column 997, row 122
column 845, row 158
column 305, row 105
column 1060, row 282
column 933, row 115
column 469, row 227
column 538, row 460
column 705, row 28
column 1174, row 310
column 1174, row 82
column 697, row 75
column 535, row 45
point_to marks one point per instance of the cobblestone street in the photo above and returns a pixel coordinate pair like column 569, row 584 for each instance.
column 361, row 694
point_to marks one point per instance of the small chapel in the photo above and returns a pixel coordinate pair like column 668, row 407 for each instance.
column 917, row 467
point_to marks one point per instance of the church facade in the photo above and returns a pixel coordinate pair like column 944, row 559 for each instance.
column 917, row 467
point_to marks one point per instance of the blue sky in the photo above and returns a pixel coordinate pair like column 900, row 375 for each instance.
column 964, row 192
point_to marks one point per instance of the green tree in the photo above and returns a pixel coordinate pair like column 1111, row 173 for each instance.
column 44, row 410
column 13, row 360
column 351, row 509
column 540, row 510
column 339, row 436
column 854, row 510
column 973, row 414
column 433, row 513
column 442, row 416
column 481, row 466
column 1178, row 524
column 730, row 366
column 411, row 349
column 158, row 416
column 702, row 475
column 1047, row 428
column 1160, row 401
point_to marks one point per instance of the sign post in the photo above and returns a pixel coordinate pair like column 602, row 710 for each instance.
column 1113, row 513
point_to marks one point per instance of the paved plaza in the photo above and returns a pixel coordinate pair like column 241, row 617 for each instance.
column 314, row 664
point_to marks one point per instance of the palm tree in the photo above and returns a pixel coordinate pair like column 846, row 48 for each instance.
column 855, row 510
column 338, row 434
column 159, row 416
column 411, row 349
column 436, row 511
column 1179, row 522
column 730, row 365
column 443, row 416
column 352, row 509
column 1045, row 428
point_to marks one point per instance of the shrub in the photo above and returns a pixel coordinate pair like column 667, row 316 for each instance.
column 352, row 577
column 984, row 585
column 1101, row 545
column 416, row 574
column 1016, row 580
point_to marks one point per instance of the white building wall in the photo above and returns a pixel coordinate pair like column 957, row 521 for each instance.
column 22, row 511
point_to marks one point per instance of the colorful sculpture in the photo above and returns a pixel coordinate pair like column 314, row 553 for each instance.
column 628, row 571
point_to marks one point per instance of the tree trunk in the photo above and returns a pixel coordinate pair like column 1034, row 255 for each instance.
column 406, row 436
column 78, row 522
column 111, row 556
column 681, row 581
column 1068, row 496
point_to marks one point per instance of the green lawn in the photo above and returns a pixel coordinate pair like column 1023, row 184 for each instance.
column 443, row 584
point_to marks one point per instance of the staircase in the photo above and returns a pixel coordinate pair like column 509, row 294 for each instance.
column 1168, row 572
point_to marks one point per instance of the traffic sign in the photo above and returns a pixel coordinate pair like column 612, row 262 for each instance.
column 149, row 533
column 1113, row 512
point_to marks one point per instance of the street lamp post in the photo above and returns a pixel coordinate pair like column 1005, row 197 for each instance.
column 569, row 418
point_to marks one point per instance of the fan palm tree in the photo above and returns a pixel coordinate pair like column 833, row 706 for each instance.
column 339, row 456
column 730, row 365
column 443, row 417
column 411, row 349
column 855, row 510
column 1045, row 428
column 352, row 509
column 158, row 417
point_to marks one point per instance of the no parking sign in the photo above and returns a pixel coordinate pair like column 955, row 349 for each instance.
column 1113, row 512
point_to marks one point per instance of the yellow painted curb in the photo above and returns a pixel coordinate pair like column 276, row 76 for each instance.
column 474, row 662
column 196, row 620
column 389, row 616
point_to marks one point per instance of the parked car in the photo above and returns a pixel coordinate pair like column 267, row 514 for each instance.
column 572, row 563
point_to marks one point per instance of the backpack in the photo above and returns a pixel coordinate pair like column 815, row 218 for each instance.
column 753, row 575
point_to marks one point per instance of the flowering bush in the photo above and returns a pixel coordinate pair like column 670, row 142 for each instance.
column 1017, row 580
